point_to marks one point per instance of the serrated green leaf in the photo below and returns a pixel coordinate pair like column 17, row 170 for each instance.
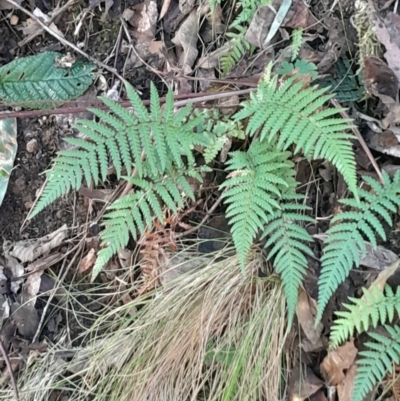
column 38, row 81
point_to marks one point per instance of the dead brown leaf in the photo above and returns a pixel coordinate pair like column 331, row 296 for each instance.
column 303, row 385
column 335, row 45
column 31, row 249
column 335, row 364
column 156, row 47
column 31, row 288
column 379, row 79
column 261, row 23
column 383, row 276
column 213, row 59
column 186, row 6
column 164, row 9
column 372, row 140
column 306, row 311
column 87, row 262
column 300, row 16
column 377, row 258
column 186, row 38
column 388, row 37
column 144, row 21
column 345, row 388
column 5, row 5
column 26, row 319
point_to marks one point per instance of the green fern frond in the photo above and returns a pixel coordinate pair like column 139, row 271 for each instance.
column 345, row 244
column 376, row 362
column 297, row 115
column 297, row 41
column 287, row 240
column 375, row 307
column 217, row 136
column 238, row 47
column 133, row 213
column 257, row 180
column 128, row 139
column 248, row 9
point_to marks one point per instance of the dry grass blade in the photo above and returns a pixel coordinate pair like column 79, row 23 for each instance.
column 214, row 335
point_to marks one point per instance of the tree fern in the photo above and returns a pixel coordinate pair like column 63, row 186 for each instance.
column 158, row 137
column 257, row 179
column 297, row 114
column 345, row 244
column 375, row 307
column 287, row 241
column 131, row 214
column 377, row 361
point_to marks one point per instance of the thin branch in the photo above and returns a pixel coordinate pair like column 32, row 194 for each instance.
column 55, row 15
column 10, row 371
column 361, row 140
column 191, row 98
column 206, row 217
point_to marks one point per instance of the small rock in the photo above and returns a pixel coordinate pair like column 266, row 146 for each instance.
column 14, row 20
column 32, row 146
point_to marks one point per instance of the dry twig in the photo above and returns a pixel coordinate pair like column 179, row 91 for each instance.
column 10, row 371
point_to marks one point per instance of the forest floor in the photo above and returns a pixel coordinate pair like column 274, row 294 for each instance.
column 184, row 46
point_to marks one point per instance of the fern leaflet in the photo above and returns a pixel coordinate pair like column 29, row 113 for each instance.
column 256, row 181
column 287, row 241
column 159, row 138
column 297, row 41
column 376, row 362
column 131, row 214
column 238, row 47
column 295, row 113
column 345, row 243
column 375, row 307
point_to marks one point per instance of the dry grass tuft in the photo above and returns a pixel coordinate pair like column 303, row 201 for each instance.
column 212, row 334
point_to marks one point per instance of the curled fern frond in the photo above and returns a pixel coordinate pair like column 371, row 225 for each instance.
column 133, row 213
column 158, row 137
column 287, row 241
column 298, row 115
column 377, row 361
column 345, row 243
column 375, row 307
column 257, row 179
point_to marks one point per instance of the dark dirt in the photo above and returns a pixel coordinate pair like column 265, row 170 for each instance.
column 27, row 179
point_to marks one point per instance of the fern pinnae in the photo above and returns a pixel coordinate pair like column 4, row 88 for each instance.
column 252, row 191
column 294, row 112
column 375, row 307
column 286, row 240
column 137, row 104
column 345, row 245
column 297, row 41
column 377, row 361
column 134, row 212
